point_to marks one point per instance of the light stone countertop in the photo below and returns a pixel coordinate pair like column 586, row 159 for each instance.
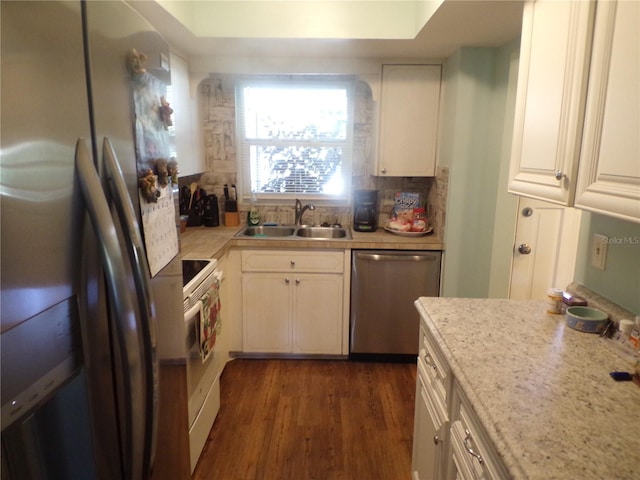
column 541, row 390
column 206, row 242
column 213, row 242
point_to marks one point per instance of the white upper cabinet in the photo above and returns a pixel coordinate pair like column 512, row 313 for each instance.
column 609, row 176
column 552, row 86
column 409, row 102
column 188, row 137
column 576, row 131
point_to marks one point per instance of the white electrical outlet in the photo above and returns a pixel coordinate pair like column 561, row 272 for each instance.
column 599, row 251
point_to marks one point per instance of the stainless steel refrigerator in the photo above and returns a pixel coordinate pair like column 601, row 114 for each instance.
column 79, row 371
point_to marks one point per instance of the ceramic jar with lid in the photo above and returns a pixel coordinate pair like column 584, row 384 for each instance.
column 554, row 299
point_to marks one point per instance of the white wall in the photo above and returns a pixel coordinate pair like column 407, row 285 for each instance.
column 477, row 121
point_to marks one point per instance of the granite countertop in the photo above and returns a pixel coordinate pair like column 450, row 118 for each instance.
column 541, row 389
column 213, row 242
column 206, row 242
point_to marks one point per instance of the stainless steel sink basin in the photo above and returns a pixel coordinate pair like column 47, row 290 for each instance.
column 263, row 231
column 321, row 232
column 306, row 232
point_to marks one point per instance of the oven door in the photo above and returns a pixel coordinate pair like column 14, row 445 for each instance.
column 200, row 374
column 202, row 325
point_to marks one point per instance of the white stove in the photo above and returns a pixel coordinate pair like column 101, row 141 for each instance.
column 195, row 273
column 200, row 278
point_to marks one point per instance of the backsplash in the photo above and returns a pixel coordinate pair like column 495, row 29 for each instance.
column 217, row 99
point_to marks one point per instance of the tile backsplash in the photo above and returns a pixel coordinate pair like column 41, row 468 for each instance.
column 217, row 99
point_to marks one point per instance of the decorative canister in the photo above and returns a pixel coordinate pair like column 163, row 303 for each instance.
column 419, row 223
column 554, row 297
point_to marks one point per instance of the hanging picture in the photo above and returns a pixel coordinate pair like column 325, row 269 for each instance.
column 160, row 234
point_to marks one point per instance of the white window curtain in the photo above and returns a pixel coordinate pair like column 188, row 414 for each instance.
column 295, row 138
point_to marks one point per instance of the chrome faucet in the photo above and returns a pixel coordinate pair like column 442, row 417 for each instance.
column 300, row 210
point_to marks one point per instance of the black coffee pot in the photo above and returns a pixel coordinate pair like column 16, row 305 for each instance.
column 365, row 210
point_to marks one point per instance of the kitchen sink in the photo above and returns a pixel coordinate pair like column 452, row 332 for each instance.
column 321, row 232
column 294, row 232
column 270, row 231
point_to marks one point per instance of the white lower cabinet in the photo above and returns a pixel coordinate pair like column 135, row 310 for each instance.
column 266, row 310
column 449, row 441
column 430, row 430
column 474, row 457
column 292, row 301
column 431, row 422
column 317, row 313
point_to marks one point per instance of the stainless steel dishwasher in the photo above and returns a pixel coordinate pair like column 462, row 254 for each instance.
column 384, row 322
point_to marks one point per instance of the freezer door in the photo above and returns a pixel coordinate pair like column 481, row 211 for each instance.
column 384, row 286
column 113, row 30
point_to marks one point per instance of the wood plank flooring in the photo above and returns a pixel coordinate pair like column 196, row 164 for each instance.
column 312, row 419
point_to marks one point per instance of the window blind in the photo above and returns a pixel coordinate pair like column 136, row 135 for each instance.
column 295, row 137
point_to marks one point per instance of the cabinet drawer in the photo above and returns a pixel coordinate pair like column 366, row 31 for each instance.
column 432, row 398
column 473, row 454
column 435, row 368
column 292, row 261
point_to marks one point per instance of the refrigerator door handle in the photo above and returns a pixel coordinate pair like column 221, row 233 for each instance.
column 123, row 313
column 140, row 269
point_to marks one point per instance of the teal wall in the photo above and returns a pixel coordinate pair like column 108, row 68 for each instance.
column 475, row 139
column 506, row 205
column 620, row 281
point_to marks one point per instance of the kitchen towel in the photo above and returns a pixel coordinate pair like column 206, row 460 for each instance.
column 210, row 321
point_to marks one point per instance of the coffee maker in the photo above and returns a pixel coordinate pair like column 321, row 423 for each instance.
column 365, row 210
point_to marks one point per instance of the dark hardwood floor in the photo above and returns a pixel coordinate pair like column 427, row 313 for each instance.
column 312, row 419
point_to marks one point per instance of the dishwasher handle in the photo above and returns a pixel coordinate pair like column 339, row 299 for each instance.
column 397, row 257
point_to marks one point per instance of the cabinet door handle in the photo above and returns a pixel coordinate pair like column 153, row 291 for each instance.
column 436, row 439
column 293, row 263
column 287, row 281
column 559, row 175
column 467, row 442
column 383, row 170
column 297, row 281
column 429, row 361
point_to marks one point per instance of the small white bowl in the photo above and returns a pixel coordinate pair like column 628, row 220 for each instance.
column 587, row 319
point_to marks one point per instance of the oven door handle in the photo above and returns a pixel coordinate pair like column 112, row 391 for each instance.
column 192, row 312
column 218, row 276
column 140, row 270
column 123, row 310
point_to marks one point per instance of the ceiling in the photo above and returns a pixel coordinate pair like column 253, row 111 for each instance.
column 454, row 24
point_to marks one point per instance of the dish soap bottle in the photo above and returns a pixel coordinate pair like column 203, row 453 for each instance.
column 253, row 217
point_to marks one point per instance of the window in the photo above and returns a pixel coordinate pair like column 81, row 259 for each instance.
column 295, row 138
